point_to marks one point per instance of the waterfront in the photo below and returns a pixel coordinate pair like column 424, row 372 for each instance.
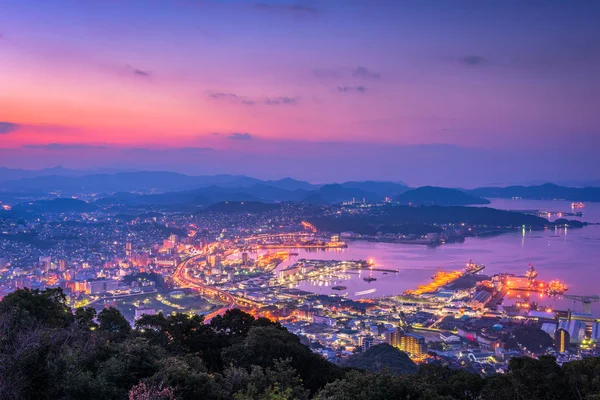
column 570, row 255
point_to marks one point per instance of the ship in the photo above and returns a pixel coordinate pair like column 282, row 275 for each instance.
column 473, row 268
column 339, row 287
column 531, row 273
column 577, row 204
column 369, row 279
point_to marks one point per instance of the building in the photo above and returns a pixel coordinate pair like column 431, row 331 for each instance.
column 321, row 319
column 366, row 342
column 480, row 299
column 575, row 328
column 562, row 340
column 141, row 311
column 449, row 337
column 128, row 249
column 62, row 265
column 393, row 336
column 214, row 260
column 245, row 258
column 413, row 344
column 45, row 264
column 97, row 287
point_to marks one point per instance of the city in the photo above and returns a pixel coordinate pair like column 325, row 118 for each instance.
column 216, row 261
column 299, row 200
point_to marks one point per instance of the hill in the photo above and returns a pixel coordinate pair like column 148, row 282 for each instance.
column 431, row 195
column 406, row 219
column 61, row 205
column 383, row 357
column 548, row 191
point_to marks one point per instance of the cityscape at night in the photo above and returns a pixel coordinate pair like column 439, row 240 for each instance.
column 299, row 199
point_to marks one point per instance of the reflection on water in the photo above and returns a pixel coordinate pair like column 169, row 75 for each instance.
column 570, row 255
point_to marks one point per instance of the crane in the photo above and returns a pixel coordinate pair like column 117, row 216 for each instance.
column 585, row 300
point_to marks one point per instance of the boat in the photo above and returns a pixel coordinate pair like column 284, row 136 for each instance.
column 369, row 279
column 577, row 204
column 363, row 292
column 339, row 287
column 473, row 268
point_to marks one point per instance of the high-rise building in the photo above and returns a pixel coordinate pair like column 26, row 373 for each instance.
column 214, row 260
column 62, row 265
column 173, row 238
column 45, row 263
column 393, row 336
column 413, row 344
column 128, row 249
column 244, row 258
column 562, row 340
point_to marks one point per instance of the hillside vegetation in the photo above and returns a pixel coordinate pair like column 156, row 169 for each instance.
column 49, row 352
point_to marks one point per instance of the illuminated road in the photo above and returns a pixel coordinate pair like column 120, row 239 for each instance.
column 182, row 278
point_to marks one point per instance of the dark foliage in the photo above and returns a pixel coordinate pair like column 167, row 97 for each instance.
column 49, row 352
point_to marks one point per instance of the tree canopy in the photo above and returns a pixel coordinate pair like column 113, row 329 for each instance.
column 48, row 351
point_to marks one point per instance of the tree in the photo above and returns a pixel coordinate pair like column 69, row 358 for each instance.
column 85, row 316
column 141, row 391
column 29, row 307
column 234, row 323
column 113, row 322
column 182, row 334
column 538, row 379
column 265, row 344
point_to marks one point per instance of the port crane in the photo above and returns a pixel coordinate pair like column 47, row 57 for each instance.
column 585, row 300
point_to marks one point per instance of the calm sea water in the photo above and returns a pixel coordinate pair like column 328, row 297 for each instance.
column 571, row 255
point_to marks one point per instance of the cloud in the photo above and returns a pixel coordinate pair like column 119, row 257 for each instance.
column 144, row 151
column 328, row 73
column 273, row 101
column 473, row 60
column 291, row 8
column 365, row 73
column 139, row 72
column 63, row 146
column 8, row 127
column 195, row 149
column 250, row 101
column 240, row 136
column 351, row 89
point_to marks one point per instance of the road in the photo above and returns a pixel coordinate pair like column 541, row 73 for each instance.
column 184, row 279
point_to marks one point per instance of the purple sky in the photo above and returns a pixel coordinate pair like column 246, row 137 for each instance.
column 427, row 92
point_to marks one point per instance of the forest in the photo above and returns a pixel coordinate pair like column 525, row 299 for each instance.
column 48, row 351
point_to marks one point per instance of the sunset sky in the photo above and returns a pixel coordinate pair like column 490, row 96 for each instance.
column 427, row 92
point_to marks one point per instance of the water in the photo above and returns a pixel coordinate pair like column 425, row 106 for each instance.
column 570, row 255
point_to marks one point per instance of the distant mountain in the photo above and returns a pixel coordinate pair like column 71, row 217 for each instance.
column 430, row 195
column 142, row 181
column 338, row 193
column 380, row 188
column 60, row 205
column 383, row 357
column 292, row 184
column 8, row 174
column 548, row 191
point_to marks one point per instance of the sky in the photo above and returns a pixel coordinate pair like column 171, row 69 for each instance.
column 454, row 93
